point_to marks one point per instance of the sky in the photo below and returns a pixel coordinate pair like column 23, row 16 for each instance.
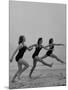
column 34, row 20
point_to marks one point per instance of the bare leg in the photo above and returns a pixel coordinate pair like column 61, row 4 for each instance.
column 22, row 70
column 14, row 77
column 49, row 65
column 45, row 56
column 54, row 56
column 34, row 65
column 44, row 63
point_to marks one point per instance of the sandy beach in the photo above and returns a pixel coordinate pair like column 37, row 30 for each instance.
column 41, row 77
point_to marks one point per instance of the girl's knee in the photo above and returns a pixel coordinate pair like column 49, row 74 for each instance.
column 37, row 58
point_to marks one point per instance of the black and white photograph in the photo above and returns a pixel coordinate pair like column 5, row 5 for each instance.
column 37, row 44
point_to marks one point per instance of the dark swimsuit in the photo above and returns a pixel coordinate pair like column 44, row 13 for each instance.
column 37, row 50
column 49, row 52
column 20, row 53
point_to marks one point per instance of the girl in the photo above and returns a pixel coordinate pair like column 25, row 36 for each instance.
column 49, row 53
column 21, row 49
column 35, row 57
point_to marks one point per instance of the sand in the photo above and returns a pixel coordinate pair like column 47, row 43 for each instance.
column 41, row 77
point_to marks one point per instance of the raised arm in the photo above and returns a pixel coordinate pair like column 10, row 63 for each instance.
column 15, row 52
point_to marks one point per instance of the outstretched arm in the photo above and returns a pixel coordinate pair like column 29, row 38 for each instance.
column 34, row 45
column 31, row 47
column 45, row 47
column 15, row 52
column 58, row 44
column 55, row 45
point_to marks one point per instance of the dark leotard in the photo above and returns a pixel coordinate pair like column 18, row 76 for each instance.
column 21, row 53
column 49, row 52
column 37, row 50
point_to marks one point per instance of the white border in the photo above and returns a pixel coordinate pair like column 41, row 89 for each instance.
column 4, row 44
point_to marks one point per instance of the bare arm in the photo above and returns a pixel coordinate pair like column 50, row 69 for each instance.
column 34, row 45
column 55, row 45
column 45, row 47
column 15, row 52
column 31, row 47
column 58, row 44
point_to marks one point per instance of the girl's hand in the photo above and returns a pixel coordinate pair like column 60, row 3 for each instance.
column 11, row 59
column 30, row 48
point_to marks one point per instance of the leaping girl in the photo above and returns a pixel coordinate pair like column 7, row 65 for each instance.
column 21, row 49
column 49, row 53
column 35, row 56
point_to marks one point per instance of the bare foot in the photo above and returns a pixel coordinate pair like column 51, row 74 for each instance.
column 62, row 62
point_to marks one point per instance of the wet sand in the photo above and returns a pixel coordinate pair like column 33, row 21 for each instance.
column 40, row 78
